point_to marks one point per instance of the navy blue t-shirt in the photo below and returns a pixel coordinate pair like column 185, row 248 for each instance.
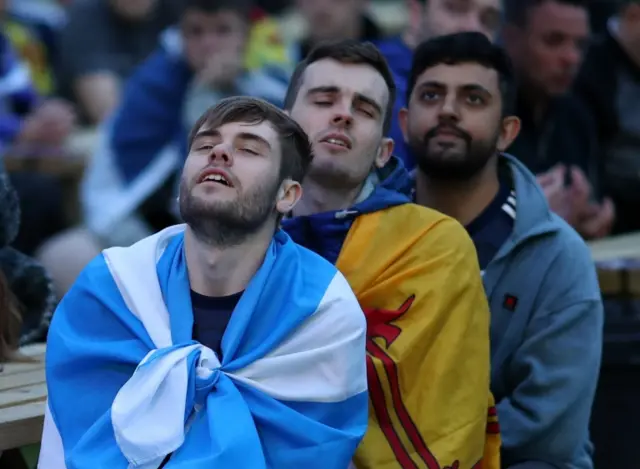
column 494, row 225
column 211, row 316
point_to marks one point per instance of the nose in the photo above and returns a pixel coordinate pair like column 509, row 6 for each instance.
column 449, row 110
column 471, row 22
column 222, row 154
column 342, row 118
column 572, row 56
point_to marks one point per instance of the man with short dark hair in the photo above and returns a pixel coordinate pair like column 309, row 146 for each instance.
column 427, row 19
column 546, row 40
column 546, row 310
column 218, row 343
column 414, row 271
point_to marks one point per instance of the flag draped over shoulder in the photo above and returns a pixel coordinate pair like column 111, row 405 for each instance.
column 416, row 275
column 128, row 385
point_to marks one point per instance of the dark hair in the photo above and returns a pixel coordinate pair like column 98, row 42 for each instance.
column 346, row 52
column 242, row 7
column 516, row 11
column 296, row 148
column 467, row 47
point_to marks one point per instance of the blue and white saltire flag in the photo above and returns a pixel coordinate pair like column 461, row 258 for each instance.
column 128, row 385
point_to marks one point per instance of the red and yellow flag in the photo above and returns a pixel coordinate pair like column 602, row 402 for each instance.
column 416, row 275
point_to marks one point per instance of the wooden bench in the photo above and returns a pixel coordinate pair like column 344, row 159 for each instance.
column 618, row 261
column 23, row 394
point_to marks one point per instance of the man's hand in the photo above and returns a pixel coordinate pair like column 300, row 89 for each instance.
column 597, row 220
column 50, row 124
column 558, row 196
column 580, row 192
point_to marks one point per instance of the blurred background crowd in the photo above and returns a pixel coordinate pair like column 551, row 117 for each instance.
column 99, row 95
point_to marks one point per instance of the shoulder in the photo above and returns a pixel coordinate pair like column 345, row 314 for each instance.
column 570, row 270
column 319, row 279
column 431, row 242
column 437, row 231
column 95, row 275
column 311, row 266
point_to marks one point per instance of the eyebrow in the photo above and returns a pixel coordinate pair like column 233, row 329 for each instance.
column 242, row 136
column 467, row 87
column 359, row 96
column 254, row 138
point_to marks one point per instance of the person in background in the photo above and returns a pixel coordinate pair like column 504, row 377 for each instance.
column 266, row 46
column 546, row 40
column 32, row 126
column 430, row 18
column 130, row 188
column 101, row 45
column 334, row 20
column 34, row 37
column 546, row 310
column 245, row 348
column 609, row 82
column 414, row 270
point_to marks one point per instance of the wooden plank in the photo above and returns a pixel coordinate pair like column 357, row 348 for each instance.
column 22, row 379
column 34, row 350
column 13, row 368
column 63, row 167
column 23, row 395
column 21, row 425
column 616, row 248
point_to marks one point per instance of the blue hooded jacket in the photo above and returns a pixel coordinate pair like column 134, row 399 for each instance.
column 324, row 233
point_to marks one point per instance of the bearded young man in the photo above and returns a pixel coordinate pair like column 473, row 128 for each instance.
column 546, row 310
column 414, row 270
column 219, row 343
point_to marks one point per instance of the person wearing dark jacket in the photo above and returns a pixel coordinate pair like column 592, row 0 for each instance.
column 609, row 83
column 546, row 39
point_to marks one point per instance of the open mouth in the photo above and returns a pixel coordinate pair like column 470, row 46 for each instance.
column 217, row 178
column 337, row 140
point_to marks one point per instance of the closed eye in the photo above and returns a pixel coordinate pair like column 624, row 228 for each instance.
column 250, row 151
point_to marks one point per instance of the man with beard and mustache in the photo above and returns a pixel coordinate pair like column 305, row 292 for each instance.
column 546, row 310
column 413, row 269
column 218, row 343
